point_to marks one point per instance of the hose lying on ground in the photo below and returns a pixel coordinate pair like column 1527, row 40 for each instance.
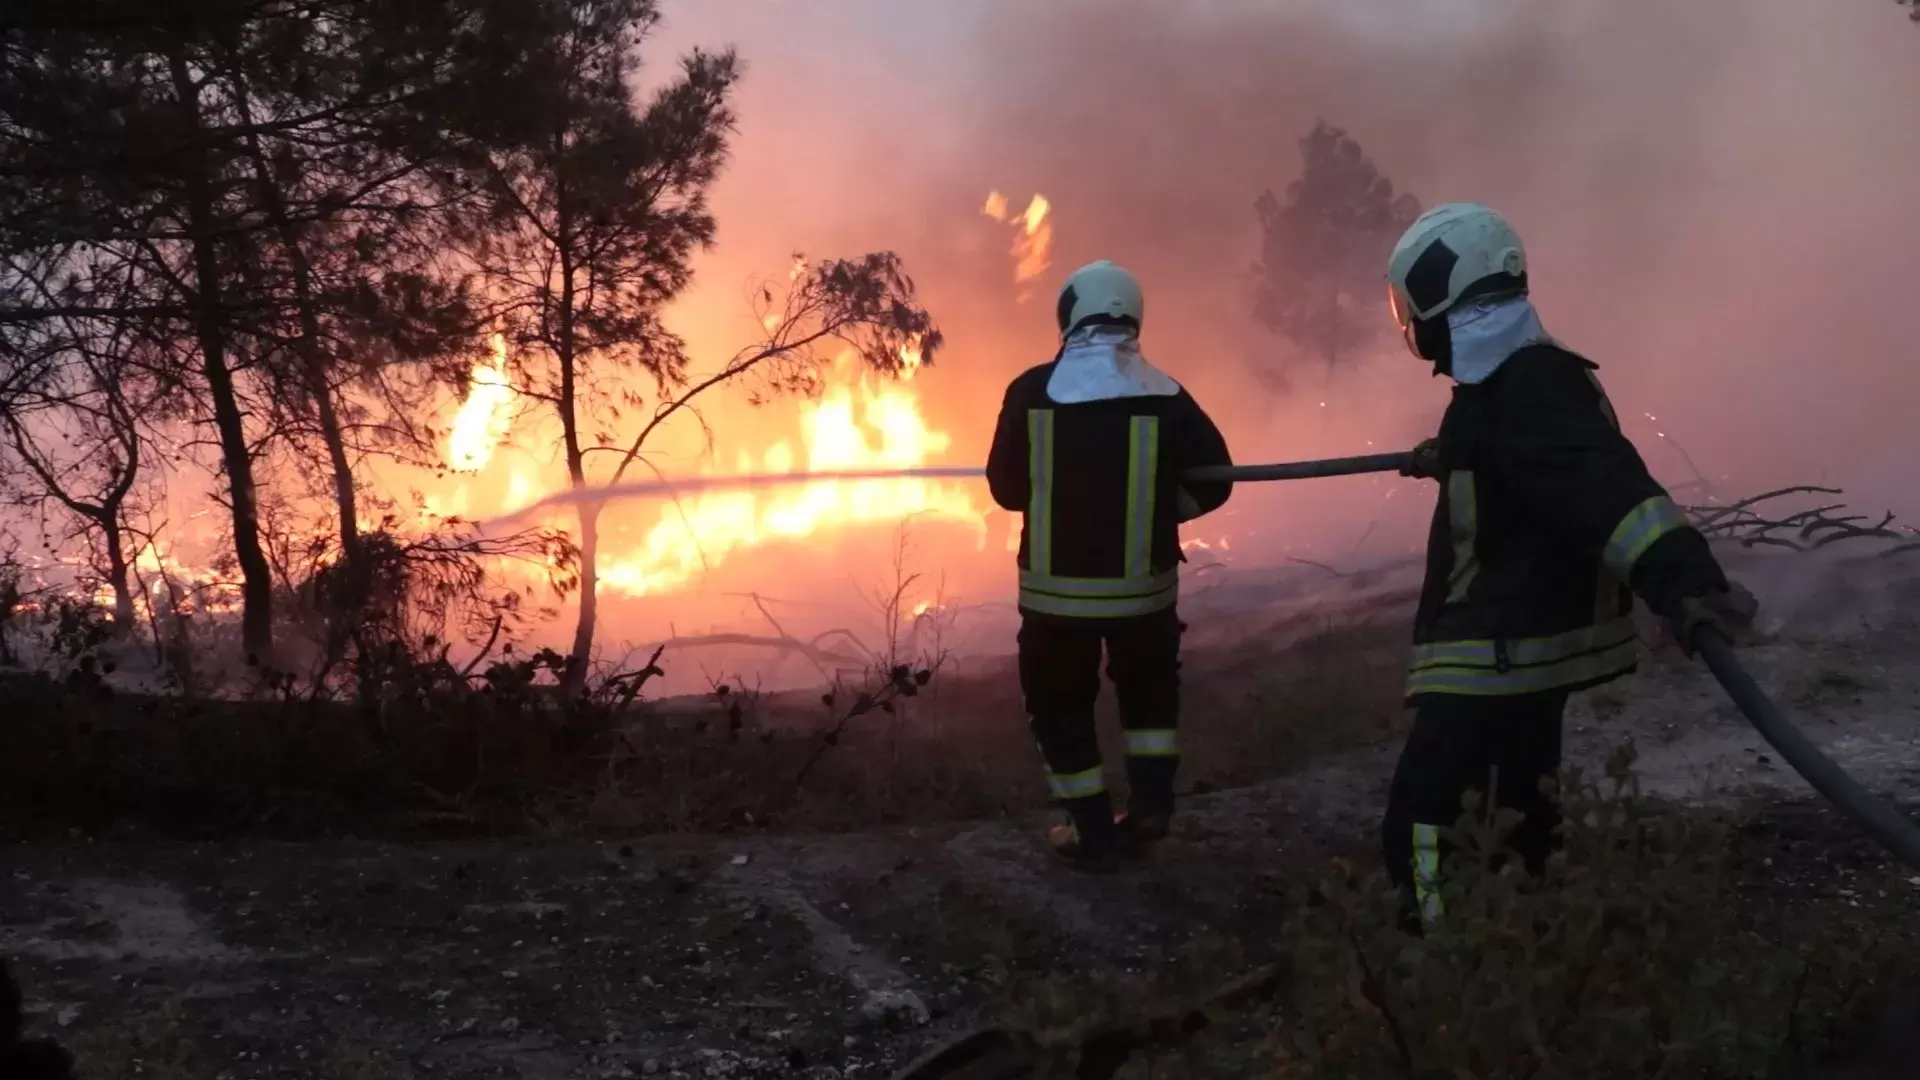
column 1887, row 825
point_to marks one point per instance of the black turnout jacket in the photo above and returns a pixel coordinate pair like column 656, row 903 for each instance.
column 1547, row 526
column 1100, row 486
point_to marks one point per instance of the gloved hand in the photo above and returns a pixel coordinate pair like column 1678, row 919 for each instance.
column 1731, row 613
column 1425, row 462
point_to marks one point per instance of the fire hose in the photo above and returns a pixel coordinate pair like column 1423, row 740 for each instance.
column 1876, row 817
column 999, row 1054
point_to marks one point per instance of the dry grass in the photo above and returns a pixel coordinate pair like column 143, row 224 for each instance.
column 502, row 759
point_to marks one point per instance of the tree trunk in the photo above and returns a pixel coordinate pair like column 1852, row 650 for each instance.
column 582, row 652
column 343, row 615
column 256, row 613
column 589, row 512
column 316, row 373
column 119, row 573
column 589, row 598
column 313, row 360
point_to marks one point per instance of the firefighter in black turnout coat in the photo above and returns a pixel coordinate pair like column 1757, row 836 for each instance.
column 1090, row 448
column 1547, row 526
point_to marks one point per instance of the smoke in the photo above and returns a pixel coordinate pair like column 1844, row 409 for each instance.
column 1711, row 193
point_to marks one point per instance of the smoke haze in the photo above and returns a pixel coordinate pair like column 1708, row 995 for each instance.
column 1711, row 191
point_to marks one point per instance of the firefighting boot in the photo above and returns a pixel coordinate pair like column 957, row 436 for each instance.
column 1089, row 840
column 1142, row 829
column 1149, row 813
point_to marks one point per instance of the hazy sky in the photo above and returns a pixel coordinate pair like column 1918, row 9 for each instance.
column 1715, row 195
column 1713, row 192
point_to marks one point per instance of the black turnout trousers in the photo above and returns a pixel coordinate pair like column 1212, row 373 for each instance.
column 1457, row 744
column 1060, row 680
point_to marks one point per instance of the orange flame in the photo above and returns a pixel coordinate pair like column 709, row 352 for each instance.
column 862, row 425
column 483, row 419
column 858, row 423
column 1033, row 242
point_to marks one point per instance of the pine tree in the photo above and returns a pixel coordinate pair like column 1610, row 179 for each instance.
column 1324, row 246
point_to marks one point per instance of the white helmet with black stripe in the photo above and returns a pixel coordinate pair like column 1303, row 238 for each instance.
column 1451, row 254
column 1100, row 293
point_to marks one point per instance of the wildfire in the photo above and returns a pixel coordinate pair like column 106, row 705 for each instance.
column 1033, row 239
column 857, row 426
column 483, row 419
column 859, row 423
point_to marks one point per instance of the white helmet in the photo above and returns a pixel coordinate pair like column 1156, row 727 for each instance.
column 1453, row 252
column 1100, row 292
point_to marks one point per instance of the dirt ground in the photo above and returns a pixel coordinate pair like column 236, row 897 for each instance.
column 838, row 955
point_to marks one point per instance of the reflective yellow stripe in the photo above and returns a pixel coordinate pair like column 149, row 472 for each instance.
column 1151, row 742
column 1040, row 490
column 1078, row 785
column 1525, row 652
column 1098, row 588
column 1643, row 526
column 1143, row 472
column 1098, row 598
column 1463, row 519
column 1426, row 871
column 1478, row 681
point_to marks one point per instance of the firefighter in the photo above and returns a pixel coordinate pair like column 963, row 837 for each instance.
column 1090, row 448
column 1547, row 526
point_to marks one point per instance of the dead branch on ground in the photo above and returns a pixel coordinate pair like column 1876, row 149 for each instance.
column 1746, row 523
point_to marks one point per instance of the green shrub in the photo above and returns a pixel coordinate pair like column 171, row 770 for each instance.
column 1629, row 959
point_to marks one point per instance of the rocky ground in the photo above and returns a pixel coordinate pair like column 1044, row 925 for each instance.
column 831, row 955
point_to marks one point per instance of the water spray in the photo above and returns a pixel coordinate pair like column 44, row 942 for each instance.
column 658, row 489
column 655, row 489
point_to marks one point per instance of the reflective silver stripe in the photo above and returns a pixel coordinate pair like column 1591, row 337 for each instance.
column 1078, row 785
column 1463, row 521
column 1489, row 682
column 1098, row 588
column 1040, row 490
column 1152, row 742
column 1643, row 526
column 1143, row 473
column 1121, row 607
column 1426, row 872
column 1526, row 652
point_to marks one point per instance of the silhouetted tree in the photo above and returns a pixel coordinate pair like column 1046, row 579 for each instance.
column 78, row 440
column 594, row 201
column 251, row 165
column 1321, row 281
